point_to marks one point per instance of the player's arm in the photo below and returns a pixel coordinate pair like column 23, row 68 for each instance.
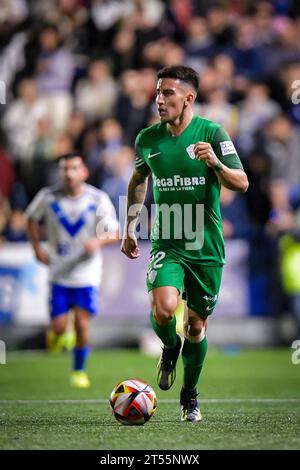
column 221, row 156
column 34, row 213
column 33, row 231
column 95, row 243
column 107, row 225
column 136, row 193
column 233, row 179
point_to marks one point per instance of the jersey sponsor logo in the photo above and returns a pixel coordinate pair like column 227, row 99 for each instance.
column 151, row 155
column 178, row 182
column 227, row 147
column 190, row 151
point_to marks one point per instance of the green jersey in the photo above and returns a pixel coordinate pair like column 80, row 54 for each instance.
column 186, row 191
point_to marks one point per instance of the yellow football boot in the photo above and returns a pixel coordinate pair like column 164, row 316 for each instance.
column 79, row 379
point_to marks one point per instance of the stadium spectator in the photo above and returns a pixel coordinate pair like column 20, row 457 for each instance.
column 255, row 110
column 7, row 170
column 199, row 45
column 220, row 27
column 247, row 54
column 21, row 119
column 15, row 228
column 218, row 109
column 235, row 216
column 124, row 50
column 54, row 75
column 71, row 18
column 281, row 142
column 132, row 105
column 118, row 167
column 95, row 96
column 109, row 140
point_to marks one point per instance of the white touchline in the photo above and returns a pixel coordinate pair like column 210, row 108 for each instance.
column 164, row 400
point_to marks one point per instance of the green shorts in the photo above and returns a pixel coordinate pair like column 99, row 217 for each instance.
column 198, row 283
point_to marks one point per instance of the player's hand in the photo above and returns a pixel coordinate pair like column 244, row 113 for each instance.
column 130, row 246
column 42, row 255
column 203, row 151
column 92, row 245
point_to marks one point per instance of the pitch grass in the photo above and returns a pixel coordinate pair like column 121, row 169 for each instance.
column 244, row 424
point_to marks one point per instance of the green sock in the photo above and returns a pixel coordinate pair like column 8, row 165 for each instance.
column 166, row 333
column 193, row 355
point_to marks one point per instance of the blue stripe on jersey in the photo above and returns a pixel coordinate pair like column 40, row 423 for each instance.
column 71, row 228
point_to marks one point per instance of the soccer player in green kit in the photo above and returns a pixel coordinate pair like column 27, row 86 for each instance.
column 189, row 158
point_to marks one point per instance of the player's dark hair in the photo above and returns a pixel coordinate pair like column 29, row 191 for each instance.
column 49, row 27
column 70, row 155
column 181, row 72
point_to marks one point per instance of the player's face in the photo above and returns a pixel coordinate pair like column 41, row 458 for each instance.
column 172, row 98
column 73, row 172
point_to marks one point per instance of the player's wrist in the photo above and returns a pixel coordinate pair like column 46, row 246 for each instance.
column 218, row 166
column 130, row 227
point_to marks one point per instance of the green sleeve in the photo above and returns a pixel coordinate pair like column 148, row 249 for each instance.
column 140, row 164
column 225, row 150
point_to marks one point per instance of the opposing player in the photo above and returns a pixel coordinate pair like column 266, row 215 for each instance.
column 189, row 158
column 79, row 220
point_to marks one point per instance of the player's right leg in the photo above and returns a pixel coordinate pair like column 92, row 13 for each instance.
column 164, row 281
column 193, row 355
column 202, row 284
column 59, row 308
column 164, row 302
column 79, row 377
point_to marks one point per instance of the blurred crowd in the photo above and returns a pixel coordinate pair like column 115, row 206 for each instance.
column 81, row 74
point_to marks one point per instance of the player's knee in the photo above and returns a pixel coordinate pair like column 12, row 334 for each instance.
column 58, row 327
column 194, row 331
column 80, row 325
column 163, row 317
column 164, row 310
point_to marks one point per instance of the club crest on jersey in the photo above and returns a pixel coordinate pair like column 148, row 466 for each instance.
column 190, row 151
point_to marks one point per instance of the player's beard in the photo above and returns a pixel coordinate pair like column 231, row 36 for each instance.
column 73, row 187
column 178, row 118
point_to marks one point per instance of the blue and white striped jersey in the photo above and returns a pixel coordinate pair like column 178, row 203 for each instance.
column 71, row 221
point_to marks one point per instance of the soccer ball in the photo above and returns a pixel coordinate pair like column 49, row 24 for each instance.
column 133, row 402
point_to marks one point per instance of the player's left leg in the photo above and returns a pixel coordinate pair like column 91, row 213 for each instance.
column 85, row 305
column 55, row 337
column 81, row 350
column 193, row 355
column 202, row 284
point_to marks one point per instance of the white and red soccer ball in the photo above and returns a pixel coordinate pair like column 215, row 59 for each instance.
column 133, row 402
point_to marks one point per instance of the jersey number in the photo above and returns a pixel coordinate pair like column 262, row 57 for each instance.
column 157, row 258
